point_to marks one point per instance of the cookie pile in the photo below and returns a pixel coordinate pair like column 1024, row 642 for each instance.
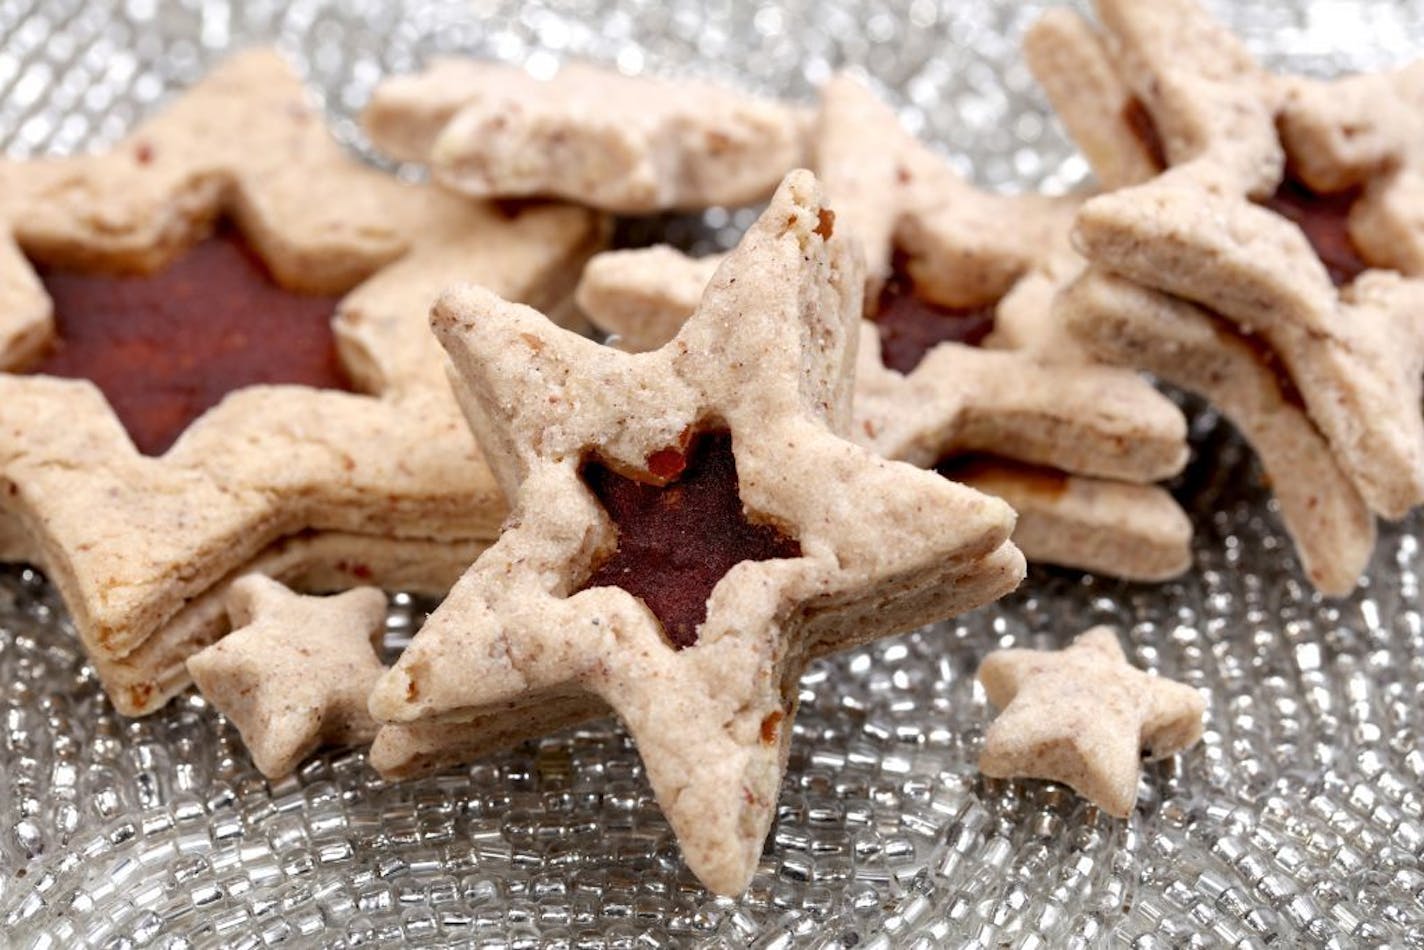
column 238, row 368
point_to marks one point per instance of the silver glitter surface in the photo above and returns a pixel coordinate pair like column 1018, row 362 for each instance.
column 1299, row 819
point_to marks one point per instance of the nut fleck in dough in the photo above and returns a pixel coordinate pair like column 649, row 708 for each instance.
column 884, row 546
column 296, row 671
column 1104, row 434
column 1274, row 227
column 591, row 135
column 132, row 540
column 1085, row 717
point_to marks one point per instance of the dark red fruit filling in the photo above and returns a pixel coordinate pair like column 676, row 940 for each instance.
column 166, row 347
column 677, row 540
column 1325, row 219
column 911, row 326
column 968, row 468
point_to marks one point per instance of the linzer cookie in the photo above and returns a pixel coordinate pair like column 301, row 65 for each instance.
column 1085, row 717
column 1276, row 229
column 591, row 135
column 1072, row 446
column 190, row 389
column 690, row 528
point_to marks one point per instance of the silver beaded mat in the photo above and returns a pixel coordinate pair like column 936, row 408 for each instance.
column 1299, row 819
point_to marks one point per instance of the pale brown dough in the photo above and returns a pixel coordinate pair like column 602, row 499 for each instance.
column 131, row 540
column 1085, row 717
column 1108, row 430
column 627, row 144
column 885, row 547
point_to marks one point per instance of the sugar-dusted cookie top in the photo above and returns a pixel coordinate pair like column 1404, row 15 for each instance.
column 1256, row 213
column 1085, row 717
column 1074, row 447
column 631, row 474
column 588, row 134
column 235, row 191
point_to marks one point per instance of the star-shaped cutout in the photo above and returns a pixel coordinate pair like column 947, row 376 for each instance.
column 1363, row 136
column 863, row 547
column 1085, row 717
column 1233, row 226
column 167, row 347
column 592, row 135
column 1073, row 447
column 295, row 672
column 135, row 543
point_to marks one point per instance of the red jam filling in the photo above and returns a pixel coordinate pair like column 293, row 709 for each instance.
column 677, row 540
column 166, row 347
column 1325, row 219
column 911, row 326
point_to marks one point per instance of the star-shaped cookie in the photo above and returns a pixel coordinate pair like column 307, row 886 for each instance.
column 135, row 542
column 1085, row 717
column 632, row 476
column 589, row 134
column 1072, row 446
column 1263, row 227
column 296, row 671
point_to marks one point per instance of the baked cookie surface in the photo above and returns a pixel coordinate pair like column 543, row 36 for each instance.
column 1085, row 717
column 131, row 539
column 962, row 364
column 588, row 134
column 616, row 463
column 1258, row 237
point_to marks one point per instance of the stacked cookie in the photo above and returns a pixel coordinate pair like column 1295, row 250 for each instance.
column 819, row 438
column 142, row 518
column 1260, row 248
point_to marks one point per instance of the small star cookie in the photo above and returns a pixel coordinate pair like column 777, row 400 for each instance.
column 591, row 135
column 1270, row 217
column 1073, row 447
column 631, row 475
column 296, row 671
column 1084, row 717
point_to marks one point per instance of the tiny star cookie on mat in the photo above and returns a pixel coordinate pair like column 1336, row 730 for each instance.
column 589, row 134
column 296, row 671
column 216, row 414
column 1264, row 253
column 1072, row 446
column 631, row 477
column 1085, row 717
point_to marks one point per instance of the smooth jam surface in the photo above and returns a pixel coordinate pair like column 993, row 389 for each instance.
column 676, row 541
column 166, row 347
column 911, row 326
column 1325, row 219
